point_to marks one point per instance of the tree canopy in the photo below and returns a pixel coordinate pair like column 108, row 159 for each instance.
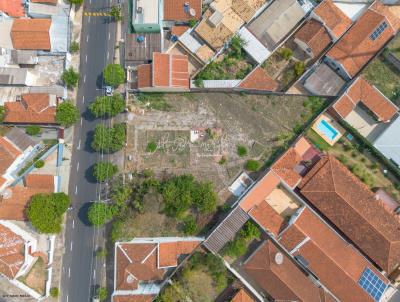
column 114, row 75
column 67, row 114
column 107, row 105
column 70, row 78
column 109, row 139
column 45, row 211
column 104, row 171
column 116, row 13
column 100, row 213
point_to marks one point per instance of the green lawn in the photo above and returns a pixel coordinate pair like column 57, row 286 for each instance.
column 317, row 140
column 394, row 47
column 385, row 77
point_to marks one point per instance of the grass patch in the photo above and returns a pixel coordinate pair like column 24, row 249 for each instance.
column 151, row 147
column 317, row 140
column 155, row 101
column 241, row 150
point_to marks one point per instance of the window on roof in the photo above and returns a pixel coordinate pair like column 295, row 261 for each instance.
column 378, row 31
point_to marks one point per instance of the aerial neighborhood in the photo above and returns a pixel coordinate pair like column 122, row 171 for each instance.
column 199, row 150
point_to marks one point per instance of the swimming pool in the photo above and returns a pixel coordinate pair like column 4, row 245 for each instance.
column 327, row 129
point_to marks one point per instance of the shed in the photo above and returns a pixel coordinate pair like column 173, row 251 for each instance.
column 388, row 143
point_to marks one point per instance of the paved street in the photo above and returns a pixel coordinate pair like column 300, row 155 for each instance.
column 81, row 269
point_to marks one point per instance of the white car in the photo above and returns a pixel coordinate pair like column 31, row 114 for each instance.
column 109, row 90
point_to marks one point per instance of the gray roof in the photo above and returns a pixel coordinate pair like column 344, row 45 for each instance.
column 59, row 33
column 388, row 143
column 24, row 57
column 276, row 22
column 16, row 76
column 324, row 81
column 20, row 138
column 141, row 52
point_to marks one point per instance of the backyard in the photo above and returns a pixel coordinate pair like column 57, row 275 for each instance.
column 362, row 164
column 36, row 277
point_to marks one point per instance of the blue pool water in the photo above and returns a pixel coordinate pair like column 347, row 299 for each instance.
column 327, row 130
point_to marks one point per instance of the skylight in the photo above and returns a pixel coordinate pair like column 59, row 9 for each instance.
column 377, row 32
column 372, row 284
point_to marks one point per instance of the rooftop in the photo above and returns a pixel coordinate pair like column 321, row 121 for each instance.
column 314, row 34
column 31, row 34
column 370, row 96
column 8, row 154
column 176, row 10
column 350, row 205
column 20, row 139
column 12, row 255
column 258, row 79
column 13, row 8
column 389, row 141
column 141, row 52
column 242, row 296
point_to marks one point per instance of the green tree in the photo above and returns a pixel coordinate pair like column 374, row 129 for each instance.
column 109, row 139
column 192, row 22
column 104, row 171
column 176, row 193
column 32, row 130
column 74, row 47
column 241, row 150
column 204, row 197
column 253, row 165
column 70, row 78
column 107, row 105
column 120, row 193
column 100, row 213
column 75, row 1
column 189, row 226
column 286, row 53
column 54, row 292
column 114, row 75
column 151, row 147
column 45, row 211
column 299, row 68
column 67, row 114
column 39, row 164
column 2, row 113
column 116, row 13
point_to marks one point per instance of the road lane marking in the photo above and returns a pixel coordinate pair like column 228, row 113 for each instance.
column 84, row 78
column 76, row 190
column 86, row 58
column 108, row 54
column 81, row 121
column 71, row 246
column 67, row 298
column 94, row 274
column 89, row 20
column 73, row 223
column 109, row 36
column 69, row 272
column 83, row 99
column 87, row 38
column 77, row 167
column 79, row 145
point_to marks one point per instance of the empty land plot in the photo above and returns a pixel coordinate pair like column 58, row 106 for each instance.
column 261, row 123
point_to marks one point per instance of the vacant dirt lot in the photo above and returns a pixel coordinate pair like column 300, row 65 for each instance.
column 222, row 121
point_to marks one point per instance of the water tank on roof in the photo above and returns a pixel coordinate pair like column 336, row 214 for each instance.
column 174, row 38
column 192, row 12
column 140, row 39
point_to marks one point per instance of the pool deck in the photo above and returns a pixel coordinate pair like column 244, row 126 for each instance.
column 331, row 122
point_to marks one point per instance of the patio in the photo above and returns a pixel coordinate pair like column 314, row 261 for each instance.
column 282, row 202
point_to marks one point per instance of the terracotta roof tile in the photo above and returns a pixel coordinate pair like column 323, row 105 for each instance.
column 34, row 108
column 12, row 254
column 356, row 48
column 329, row 257
column 260, row 191
column 314, row 34
column 333, row 17
column 144, row 75
column 179, row 30
column 284, row 167
column 267, row 218
column 43, row 181
column 344, row 106
column 350, row 205
column 13, row 8
column 260, row 80
column 174, row 10
column 31, row 34
column 242, row 296
column 302, row 146
column 8, row 154
column 282, row 281
column 170, row 70
column 169, row 252
column 133, row 298
column 45, row 1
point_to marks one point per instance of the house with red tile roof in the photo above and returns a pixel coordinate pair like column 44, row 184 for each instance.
column 258, row 79
column 31, row 34
column 141, row 265
column 334, row 20
column 32, row 108
column 13, row 8
column 362, row 92
column 167, row 72
column 182, row 10
column 242, row 296
column 363, row 40
column 355, row 210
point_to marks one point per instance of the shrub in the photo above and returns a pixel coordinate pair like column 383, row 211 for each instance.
column 101, row 252
column 75, row 1
column 102, row 293
column 104, row 171
column 299, row 68
column 241, row 150
column 54, row 292
column 286, row 53
column 70, row 78
column 32, row 130
column 39, row 164
column 74, row 47
column 2, row 113
column 252, row 165
column 109, row 139
column 116, row 13
column 250, row 231
column 151, row 147
column 107, row 105
column 67, row 114
column 222, row 161
column 100, row 213
column 192, row 22
column 189, row 226
column 204, row 197
column 114, row 75
column 236, row 248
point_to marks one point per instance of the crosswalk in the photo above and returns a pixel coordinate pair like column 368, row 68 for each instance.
column 98, row 14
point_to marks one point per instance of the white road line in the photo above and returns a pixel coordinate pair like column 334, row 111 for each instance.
column 89, row 20
column 108, row 54
column 69, row 272
column 71, row 246
column 109, row 36
column 94, row 274
column 83, row 99
column 84, row 78
column 76, row 190
column 81, row 121
column 79, row 145
column 77, row 167
column 73, row 223
column 67, row 298
column 87, row 38
column 86, row 58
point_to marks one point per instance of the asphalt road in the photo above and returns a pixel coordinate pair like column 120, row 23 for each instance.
column 81, row 269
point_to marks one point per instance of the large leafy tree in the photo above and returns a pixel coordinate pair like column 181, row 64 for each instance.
column 114, row 75
column 109, row 139
column 107, row 105
column 104, row 171
column 100, row 213
column 67, row 113
column 45, row 212
column 70, row 78
column 204, row 197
